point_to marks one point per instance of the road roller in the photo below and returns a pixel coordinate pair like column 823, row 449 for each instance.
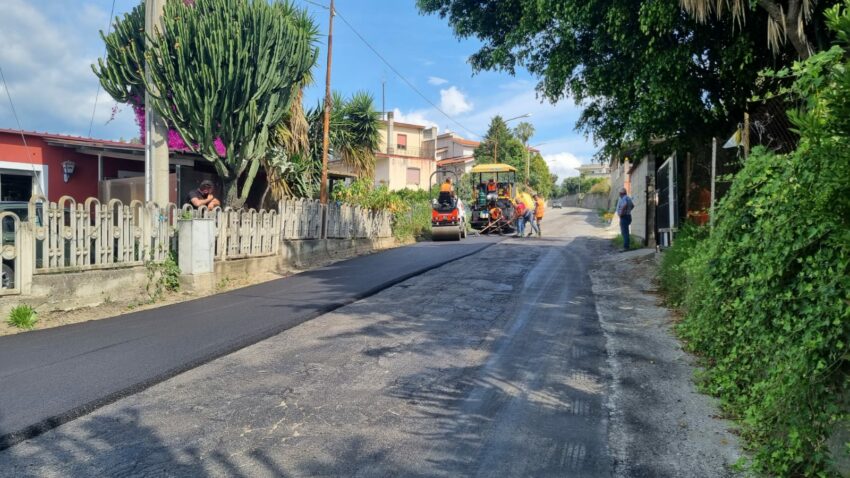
column 448, row 217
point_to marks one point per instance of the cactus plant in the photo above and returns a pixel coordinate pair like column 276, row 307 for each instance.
column 223, row 69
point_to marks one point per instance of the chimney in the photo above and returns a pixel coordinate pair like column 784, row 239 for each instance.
column 390, row 133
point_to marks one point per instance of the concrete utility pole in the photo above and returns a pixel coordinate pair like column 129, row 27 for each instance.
column 156, row 133
column 323, row 195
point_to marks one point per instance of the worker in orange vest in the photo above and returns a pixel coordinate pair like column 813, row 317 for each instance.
column 539, row 208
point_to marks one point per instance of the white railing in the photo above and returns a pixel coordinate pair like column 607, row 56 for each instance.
column 91, row 235
column 69, row 236
column 302, row 218
column 10, row 240
column 354, row 222
column 241, row 233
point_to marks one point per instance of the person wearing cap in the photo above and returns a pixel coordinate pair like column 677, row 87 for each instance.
column 203, row 196
column 624, row 211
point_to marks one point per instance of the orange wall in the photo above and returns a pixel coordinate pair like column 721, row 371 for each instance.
column 83, row 184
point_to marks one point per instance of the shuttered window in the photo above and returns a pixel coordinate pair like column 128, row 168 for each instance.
column 413, row 176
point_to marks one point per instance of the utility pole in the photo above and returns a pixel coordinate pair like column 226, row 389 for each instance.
column 383, row 99
column 327, row 122
column 156, row 132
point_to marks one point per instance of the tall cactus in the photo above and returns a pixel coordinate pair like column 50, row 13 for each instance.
column 226, row 69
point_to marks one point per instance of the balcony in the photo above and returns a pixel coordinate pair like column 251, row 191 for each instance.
column 423, row 150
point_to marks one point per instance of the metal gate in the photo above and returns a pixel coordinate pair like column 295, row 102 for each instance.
column 665, row 209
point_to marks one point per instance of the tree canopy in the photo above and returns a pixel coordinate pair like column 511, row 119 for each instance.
column 640, row 69
column 501, row 144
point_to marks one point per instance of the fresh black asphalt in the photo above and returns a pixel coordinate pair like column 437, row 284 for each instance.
column 51, row 376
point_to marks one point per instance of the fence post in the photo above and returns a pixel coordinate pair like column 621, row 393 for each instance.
column 26, row 256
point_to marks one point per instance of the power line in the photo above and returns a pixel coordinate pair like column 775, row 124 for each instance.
column 97, row 94
column 394, row 70
column 21, row 130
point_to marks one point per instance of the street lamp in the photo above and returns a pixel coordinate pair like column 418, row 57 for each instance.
column 496, row 144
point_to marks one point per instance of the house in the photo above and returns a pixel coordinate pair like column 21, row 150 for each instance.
column 455, row 154
column 594, row 170
column 407, row 155
column 54, row 165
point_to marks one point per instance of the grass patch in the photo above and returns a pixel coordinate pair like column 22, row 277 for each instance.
column 634, row 242
column 22, row 317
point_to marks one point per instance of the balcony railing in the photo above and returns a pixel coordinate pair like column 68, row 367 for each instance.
column 424, row 150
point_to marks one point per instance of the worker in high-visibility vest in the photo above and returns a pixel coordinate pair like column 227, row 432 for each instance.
column 539, row 209
column 447, row 187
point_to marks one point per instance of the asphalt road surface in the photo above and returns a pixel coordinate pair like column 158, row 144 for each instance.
column 507, row 362
column 53, row 375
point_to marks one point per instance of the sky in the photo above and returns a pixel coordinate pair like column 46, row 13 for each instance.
column 48, row 47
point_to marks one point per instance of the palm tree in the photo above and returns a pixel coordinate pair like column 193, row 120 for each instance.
column 354, row 132
column 524, row 131
column 786, row 19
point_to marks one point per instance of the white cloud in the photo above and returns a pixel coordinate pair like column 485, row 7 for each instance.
column 437, row 81
column 454, row 102
column 563, row 164
column 47, row 63
column 421, row 117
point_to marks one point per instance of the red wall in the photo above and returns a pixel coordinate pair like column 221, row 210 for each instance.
column 83, row 184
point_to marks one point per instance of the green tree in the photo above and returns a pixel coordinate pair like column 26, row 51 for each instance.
column 640, row 69
column 501, row 144
column 354, row 132
column 524, row 131
column 225, row 69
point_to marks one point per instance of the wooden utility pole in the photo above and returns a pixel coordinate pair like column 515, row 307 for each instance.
column 713, row 180
column 327, row 121
column 156, row 132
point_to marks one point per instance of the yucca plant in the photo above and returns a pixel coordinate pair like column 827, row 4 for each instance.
column 23, row 317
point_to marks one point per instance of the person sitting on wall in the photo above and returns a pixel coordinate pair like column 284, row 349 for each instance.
column 203, row 196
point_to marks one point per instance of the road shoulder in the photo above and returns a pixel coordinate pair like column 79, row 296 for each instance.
column 660, row 424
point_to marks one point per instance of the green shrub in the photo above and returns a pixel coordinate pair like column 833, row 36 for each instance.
column 22, row 317
column 671, row 273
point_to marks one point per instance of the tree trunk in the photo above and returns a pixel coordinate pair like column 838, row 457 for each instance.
column 231, row 194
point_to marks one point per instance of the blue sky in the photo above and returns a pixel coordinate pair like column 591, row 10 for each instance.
column 48, row 47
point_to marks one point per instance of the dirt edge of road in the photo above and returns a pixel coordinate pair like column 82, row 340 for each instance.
column 56, row 317
column 653, row 395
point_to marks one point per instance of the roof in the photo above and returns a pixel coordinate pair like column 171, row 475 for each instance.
column 461, row 159
column 493, row 168
column 88, row 141
column 109, row 148
column 405, row 125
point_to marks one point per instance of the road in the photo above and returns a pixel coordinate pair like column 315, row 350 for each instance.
column 54, row 375
column 494, row 364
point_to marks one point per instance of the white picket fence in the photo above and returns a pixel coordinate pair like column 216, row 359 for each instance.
column 91, row 235
column 64, row 236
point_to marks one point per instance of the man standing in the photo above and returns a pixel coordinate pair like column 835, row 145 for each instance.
column 203, row 196
column 539, row 208
column 624, row 210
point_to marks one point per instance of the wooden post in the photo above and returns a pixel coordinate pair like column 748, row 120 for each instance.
column 713, row 180
column 327, row 120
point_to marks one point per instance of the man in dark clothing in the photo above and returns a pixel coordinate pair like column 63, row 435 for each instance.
column 203, row 196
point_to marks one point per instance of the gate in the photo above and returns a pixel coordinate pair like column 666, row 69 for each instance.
column 666, row 218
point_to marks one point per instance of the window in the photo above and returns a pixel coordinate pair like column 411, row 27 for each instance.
column 413, row 176
column 401, row 142
column 15, row 186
